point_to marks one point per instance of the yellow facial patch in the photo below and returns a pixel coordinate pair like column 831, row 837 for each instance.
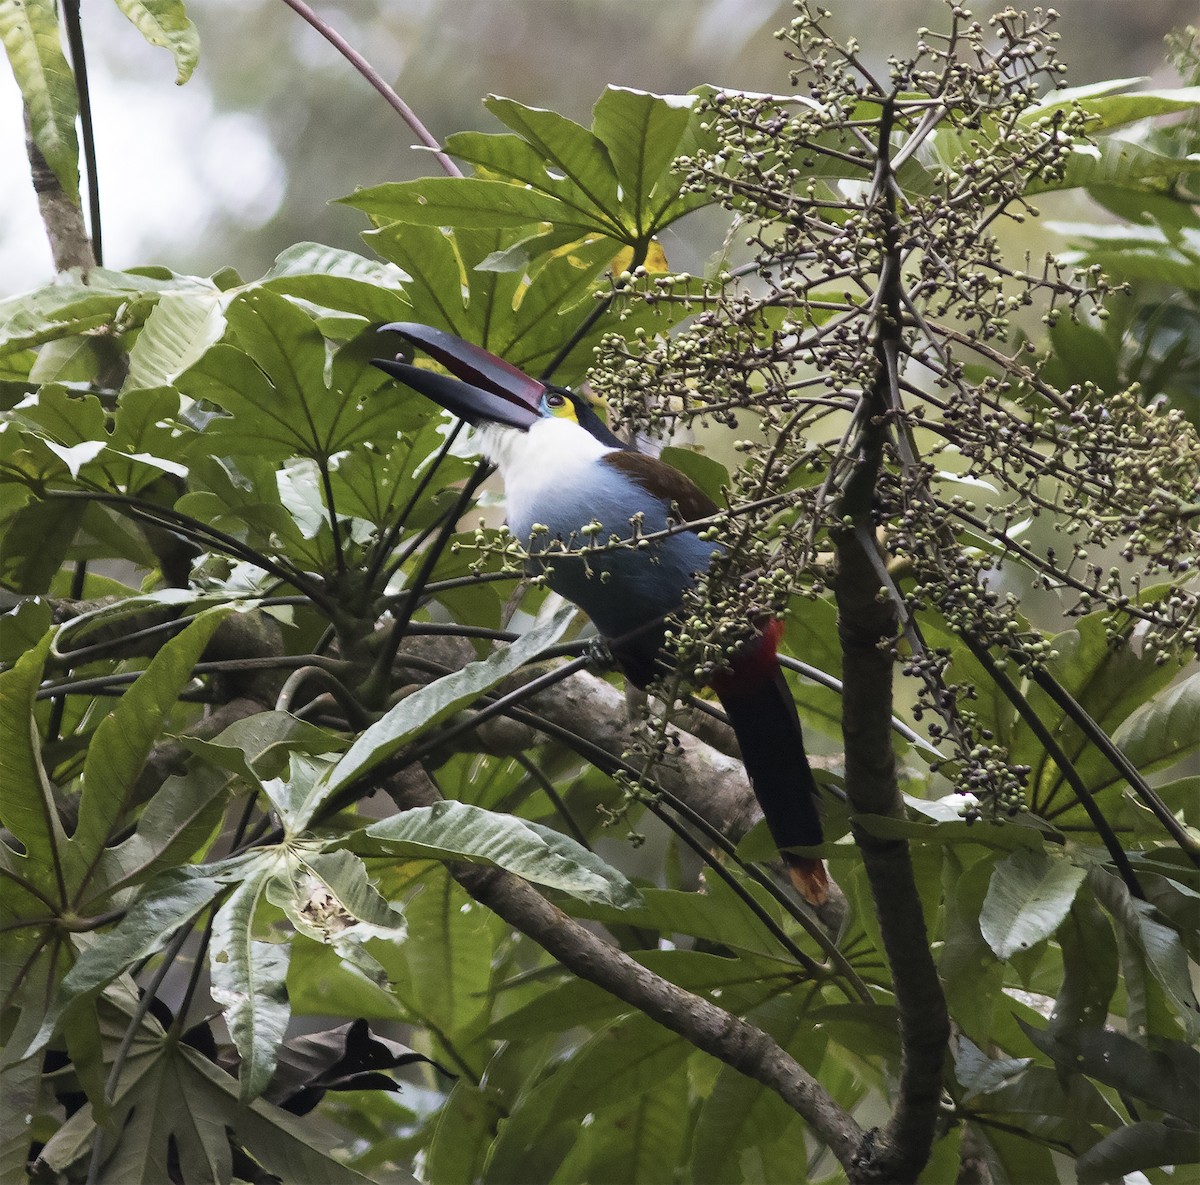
column 561, row 406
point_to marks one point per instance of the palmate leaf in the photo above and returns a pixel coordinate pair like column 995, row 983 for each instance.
column 331, row 899
column 1145, row 1145
column 180, row 327
column 742, row 984
column 1165, row 729
column 168, row 902
column 175, row 824
column 741, row 1114
column 71, row 307
column 445, row 972
column 331, row 278
column 1111, row 103
column 612, row 181
column 182, row 1100
column 467, row 202
column 29, row 30
column 1157, row 946
column 272, row 383
column 641, row 1138
column 523, row 316
column 643, row 134
column 623, row 1061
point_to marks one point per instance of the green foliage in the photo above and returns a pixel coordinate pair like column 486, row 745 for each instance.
column 246, row 601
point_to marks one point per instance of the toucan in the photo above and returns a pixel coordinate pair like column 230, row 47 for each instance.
column 572, row 489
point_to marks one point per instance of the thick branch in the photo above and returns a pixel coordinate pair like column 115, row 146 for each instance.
column 62, row 217
column 726, row 1037
column 867, row 626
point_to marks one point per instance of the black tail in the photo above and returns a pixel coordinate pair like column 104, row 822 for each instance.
column 763, row 715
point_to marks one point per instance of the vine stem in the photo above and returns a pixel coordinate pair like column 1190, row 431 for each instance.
column 377, row 80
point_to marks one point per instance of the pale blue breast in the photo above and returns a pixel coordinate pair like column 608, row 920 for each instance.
column 620, row 588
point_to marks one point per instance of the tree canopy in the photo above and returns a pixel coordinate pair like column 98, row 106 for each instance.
column 316, row 806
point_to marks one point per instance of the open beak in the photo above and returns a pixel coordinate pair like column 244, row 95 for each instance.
column 485, row 389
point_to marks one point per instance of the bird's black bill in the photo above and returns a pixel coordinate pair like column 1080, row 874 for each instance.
column 485, row 389
column 468, row 402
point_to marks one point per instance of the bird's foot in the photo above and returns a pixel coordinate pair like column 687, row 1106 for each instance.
column 600, row 656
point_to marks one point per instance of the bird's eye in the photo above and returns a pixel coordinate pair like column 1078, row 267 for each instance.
column 555, row 400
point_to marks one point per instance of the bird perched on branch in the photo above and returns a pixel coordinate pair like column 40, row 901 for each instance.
column 571, row 486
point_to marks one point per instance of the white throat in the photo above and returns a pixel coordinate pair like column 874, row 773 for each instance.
column 552, row 452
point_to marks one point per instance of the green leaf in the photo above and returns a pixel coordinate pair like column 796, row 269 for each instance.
column 1144, row 1145
column 979, row 1074
column 273, row 384
column 174, row 825
column 972, row 974
column 624, row 1061
column 165, row 23
column 468, row 202
column 640, row 1138
column 1165, row 729
column 1159, row 945
column 259, row 746
column 716, row 916
column 331, row 899
column 741, row 1114
column 23, row 627
column 436, row 701
column 124, row 738
column 462, row 1133
column 1119, row 164
column 20, row 1084
column 642, row 133
column 1090, row 968
column 249, row 979
column 186, row 1108
column 455, row 831
column 180, row 327
column 160, row 909
column 567, row 148
column 27, row 806
column 1109, row 110
column 1166, row 1078
column 1028, row 896
column 29, row 29
column 335, row 279
column 444, row 970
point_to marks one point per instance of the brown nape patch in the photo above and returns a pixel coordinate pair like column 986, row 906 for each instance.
column 664, row 481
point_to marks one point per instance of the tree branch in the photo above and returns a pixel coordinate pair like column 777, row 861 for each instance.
column 726, row 1037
